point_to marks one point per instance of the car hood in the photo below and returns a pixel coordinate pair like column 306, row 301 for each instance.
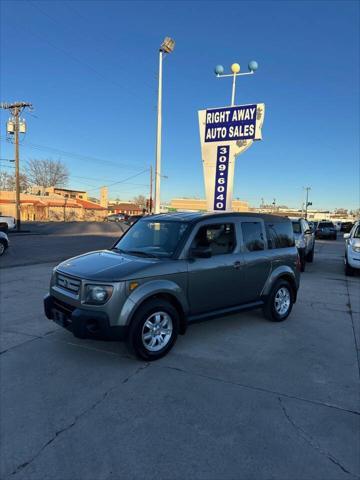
column 107, row 266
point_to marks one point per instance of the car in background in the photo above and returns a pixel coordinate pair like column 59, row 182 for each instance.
column 9, row 221
column 304, row 240
column 346, row 226
column 4, row 243
column 352, row 250
column 116, row 217
column 132, row 219
column 326, row 229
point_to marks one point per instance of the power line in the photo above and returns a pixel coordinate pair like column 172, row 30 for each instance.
column 78, row 156
column 124, row 180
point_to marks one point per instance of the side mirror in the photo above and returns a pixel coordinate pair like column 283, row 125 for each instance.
column 346, row 236
column 200, row 252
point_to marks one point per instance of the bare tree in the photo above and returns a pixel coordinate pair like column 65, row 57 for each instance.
column 140, row 200
column 8, row 181
column 47, row 173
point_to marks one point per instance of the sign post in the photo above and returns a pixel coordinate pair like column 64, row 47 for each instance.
column 224, row 134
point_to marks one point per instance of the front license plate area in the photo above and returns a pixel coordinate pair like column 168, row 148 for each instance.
column 59, row 317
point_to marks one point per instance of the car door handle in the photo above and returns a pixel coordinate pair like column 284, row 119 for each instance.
column 237, row 265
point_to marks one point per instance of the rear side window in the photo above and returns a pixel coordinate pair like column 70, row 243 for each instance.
column 280, row 234
column 253, row 236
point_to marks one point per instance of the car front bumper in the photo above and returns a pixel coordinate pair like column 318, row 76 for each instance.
column 82, row 323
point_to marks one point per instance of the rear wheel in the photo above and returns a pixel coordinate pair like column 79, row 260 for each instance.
column 310, row 255
column 280, row 302
column 3, row 247
column 153, row 330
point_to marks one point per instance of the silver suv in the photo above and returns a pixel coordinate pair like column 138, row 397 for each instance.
column 170, row 270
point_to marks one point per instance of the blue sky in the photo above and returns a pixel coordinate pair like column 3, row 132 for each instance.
column 90, row 70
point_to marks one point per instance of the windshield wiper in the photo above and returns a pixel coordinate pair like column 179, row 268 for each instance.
column 118, row 249
column 139, row 252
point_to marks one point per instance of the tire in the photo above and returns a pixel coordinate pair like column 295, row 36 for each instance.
column 349, row 271
column 302, row 261
column 310, row 255
column 273, row 310
column 141, row 337
column 3, row 247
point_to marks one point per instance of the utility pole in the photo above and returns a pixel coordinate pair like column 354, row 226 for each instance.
column 151, row 185
column 307, row 203
column 16, row 110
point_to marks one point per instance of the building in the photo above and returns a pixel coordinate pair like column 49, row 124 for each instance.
column 67, row 205
column 129, row 208
column 199, row 204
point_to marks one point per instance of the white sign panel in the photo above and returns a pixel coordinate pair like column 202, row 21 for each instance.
column 224, row 134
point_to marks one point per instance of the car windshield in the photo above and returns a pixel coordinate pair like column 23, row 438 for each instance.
column 357, row 232
column 152, row 238
column 326, row 225
column 296, row 227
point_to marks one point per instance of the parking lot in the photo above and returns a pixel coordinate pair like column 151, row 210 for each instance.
column 237, row 398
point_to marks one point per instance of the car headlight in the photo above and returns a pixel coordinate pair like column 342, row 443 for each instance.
column 300, row 243
column 356, row 249
column 97, row 294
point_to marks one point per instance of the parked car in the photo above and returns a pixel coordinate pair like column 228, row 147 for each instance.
column 169, row 270
column 4, row 243
column 337, row 226
column 116, row 217
column 10, row 221
column 132, row 219
column 326, row 229
column 304, row 240
column 352, row 249
column 346, row 226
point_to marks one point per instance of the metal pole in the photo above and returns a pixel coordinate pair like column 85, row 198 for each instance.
column 233, row 90
column 158, row 139
column 16, row 112
column 306, row 203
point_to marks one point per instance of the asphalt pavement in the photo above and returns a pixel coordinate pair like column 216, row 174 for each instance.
column 237, row 398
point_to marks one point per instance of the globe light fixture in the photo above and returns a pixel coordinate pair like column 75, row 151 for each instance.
column 253, row 66
column 219, row 70
column 235, row 69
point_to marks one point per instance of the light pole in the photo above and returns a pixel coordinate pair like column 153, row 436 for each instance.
column 167, row 46
column 235, row 68
column 307, row 203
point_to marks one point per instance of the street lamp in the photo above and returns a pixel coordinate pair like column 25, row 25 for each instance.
column 235, row 68
column 166, row 47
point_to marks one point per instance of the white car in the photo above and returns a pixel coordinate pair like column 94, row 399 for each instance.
column 4, row 243
column 11, row 222
column 352, row 249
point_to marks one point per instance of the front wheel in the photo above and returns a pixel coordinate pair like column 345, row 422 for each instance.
column 280, row 302
column 153, row 330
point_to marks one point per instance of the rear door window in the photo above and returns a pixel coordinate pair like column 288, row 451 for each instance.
column 253, row 236
column 280, row 234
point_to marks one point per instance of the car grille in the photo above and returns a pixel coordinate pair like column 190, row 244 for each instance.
column 68, row 283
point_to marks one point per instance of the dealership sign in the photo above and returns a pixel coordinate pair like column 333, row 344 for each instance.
column 224, row 134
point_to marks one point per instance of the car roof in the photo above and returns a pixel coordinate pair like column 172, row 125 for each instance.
column 194, row 217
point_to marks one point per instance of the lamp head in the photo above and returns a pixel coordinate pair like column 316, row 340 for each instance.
column 168, row 45
column 219, row 70
column 235, row 68
column 253, row 66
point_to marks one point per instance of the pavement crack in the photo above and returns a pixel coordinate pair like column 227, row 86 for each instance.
column 263, row 390
column 65, row 429
column 311, row 441
column 137, row 371
column 357, row 347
